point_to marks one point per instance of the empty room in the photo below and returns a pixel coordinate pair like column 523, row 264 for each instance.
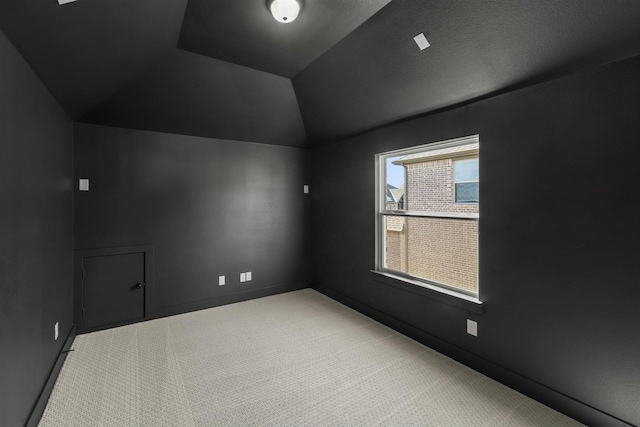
column 319, row 213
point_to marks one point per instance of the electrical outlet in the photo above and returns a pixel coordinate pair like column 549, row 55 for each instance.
column 248, row 276
column 221, row 281
column 55, row 331
column 472, row 327
column 305, row 189
column 243, row 277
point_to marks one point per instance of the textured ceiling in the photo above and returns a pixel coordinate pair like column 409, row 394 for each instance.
column 377, row 74
column 86, row 51
column 245, row 33
column 221, row 68
column 197, row 95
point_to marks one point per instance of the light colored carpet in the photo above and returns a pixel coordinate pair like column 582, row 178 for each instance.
column 298, row 359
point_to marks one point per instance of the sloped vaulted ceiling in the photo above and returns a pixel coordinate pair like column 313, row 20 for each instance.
column 86, row 51
column 196, row 95
column 377, row 74
column 244, row 32
column 227, row 69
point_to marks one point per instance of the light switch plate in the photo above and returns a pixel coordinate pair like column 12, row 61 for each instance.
column 306, row 189
column 243, row 277
column 55, row 331
column 248, row 276
column 221, row 280
column 83, row 184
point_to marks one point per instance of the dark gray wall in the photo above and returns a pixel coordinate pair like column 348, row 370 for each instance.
column 558, row 233
column 210, row 207
column 35, row 234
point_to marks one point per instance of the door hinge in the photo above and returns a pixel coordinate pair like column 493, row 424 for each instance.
column 83, row 273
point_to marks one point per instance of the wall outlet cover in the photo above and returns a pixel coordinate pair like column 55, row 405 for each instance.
column 221, row 280
column 243, row 277
column 248, row 276
column 472, row 327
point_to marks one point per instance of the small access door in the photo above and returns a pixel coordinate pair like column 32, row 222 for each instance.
column 113, row 289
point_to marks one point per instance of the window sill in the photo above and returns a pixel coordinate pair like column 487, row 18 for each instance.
column 459, row 300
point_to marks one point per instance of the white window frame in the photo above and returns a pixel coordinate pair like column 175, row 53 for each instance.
column 381, row 212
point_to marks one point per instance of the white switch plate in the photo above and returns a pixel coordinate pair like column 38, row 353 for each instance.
column 306, row 189
column 83, row 184
column 243, row 277
column 55, row 331
column 248, row 276
column 221, row 280
column 472, row 327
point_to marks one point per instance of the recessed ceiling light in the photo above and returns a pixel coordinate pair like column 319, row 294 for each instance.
column 421, row 41
column 285, row 11
column 61, row 2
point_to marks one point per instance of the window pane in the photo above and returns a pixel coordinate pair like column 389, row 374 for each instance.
column 438, row 186
column 467, row 170
column 390, row 198
column 395, row 185
column 441, row 250
column 468, row 192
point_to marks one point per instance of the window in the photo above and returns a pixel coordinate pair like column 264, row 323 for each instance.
column 466, row 180
column 427, row 227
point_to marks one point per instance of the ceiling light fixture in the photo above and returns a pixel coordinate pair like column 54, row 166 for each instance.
column 285, row 11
